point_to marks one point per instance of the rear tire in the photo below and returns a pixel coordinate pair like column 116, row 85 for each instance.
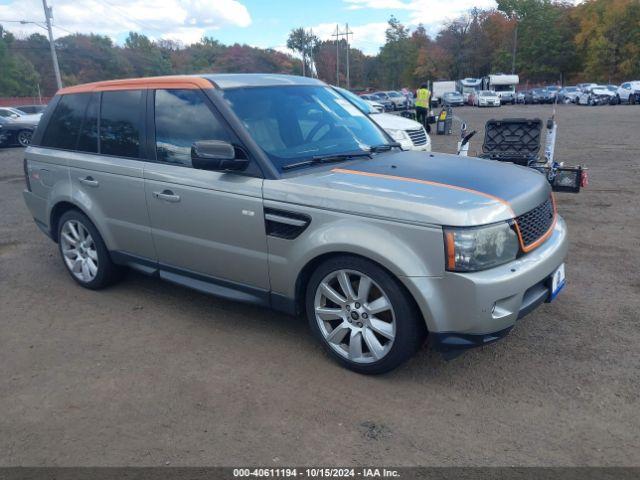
column 362, row 315
column 84, row 253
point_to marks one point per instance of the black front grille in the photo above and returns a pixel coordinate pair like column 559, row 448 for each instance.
column 418, row 137
column 535, row 223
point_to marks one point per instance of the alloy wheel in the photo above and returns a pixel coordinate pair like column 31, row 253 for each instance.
column 355, row 316
column 79, row 251
column 24, row 138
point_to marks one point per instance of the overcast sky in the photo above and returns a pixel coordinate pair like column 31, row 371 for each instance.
column 262, row 23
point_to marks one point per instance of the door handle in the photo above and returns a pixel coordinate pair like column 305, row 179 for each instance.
column 89, row 181
column 167, row 196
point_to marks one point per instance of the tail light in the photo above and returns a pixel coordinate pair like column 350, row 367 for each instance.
column 25, row 165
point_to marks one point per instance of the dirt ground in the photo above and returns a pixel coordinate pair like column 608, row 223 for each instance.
column 146, row 373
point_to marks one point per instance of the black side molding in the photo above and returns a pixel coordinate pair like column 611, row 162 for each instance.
column 206, row 284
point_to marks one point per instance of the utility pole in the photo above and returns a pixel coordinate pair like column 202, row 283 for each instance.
column 311, row 64
column 337, row 35
column 347, row 33
column 48, row 15
column 515, row 46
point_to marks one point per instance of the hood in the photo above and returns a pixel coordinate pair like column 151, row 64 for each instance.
column 387, row 120
column 415, row 187
column 602, row 91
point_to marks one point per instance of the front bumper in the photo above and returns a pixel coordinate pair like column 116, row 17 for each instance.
column 464, row 310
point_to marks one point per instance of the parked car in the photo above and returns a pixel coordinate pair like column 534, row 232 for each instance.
column 9, row 112
column 552, row 92
column 568, row 94
column 4, row 134
column 584, row 86
column 487, row 98
column 32, row 109
column 520, row 97
column 598, row 95
column 410, row 134
column 539, row 95
column 18, row 130
column 439, row 88
column 387, row 104
column 453, row 99
column 375, row 106
column 398, row 101
column 275, row 190
column 628, row 92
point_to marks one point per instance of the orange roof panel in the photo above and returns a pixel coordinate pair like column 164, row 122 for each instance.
column 186, row 82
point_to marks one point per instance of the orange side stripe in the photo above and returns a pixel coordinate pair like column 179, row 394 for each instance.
column 425, row 182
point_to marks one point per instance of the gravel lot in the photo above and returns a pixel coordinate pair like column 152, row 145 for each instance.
column 146, row 373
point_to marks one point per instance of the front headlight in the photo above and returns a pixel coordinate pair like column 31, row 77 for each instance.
column 479, row 248
column 398, row 135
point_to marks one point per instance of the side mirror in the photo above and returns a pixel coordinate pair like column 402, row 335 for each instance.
column 216, row 155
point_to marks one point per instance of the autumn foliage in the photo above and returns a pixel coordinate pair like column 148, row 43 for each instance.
column 557, row 42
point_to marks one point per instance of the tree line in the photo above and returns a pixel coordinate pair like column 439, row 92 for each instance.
column 555, row 42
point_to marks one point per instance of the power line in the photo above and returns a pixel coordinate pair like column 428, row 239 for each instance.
column 127, row 17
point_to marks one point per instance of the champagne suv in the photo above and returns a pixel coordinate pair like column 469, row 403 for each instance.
column 277, row 191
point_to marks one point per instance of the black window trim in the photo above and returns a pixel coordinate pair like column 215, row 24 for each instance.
column 92, row 95
column 143, row 154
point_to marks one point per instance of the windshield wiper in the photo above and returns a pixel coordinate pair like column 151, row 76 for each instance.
column 331, row 158
column 384, row 147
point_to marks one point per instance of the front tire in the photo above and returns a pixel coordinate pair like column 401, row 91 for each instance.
column 24, row 137
column 84, row 253
column 362, row 315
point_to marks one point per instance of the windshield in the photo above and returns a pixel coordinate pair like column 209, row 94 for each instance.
column 296, row 123
column 504, row 88
column 468, row 89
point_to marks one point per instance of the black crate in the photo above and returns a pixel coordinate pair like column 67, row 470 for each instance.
column 514, row 140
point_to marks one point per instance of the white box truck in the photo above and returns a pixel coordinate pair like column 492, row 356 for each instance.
column 440, row 88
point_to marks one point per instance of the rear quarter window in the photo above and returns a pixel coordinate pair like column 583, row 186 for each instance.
column 65, row 123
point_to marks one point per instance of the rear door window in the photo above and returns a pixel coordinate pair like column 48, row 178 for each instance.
column 65, row 123
column 182, row 117
column 121, row 116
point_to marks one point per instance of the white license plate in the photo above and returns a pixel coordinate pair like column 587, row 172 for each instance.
column 557, row 281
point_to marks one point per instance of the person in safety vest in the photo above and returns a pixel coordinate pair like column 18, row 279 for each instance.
column 423, row 97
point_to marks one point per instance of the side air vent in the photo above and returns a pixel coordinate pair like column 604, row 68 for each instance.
column 284, row 224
